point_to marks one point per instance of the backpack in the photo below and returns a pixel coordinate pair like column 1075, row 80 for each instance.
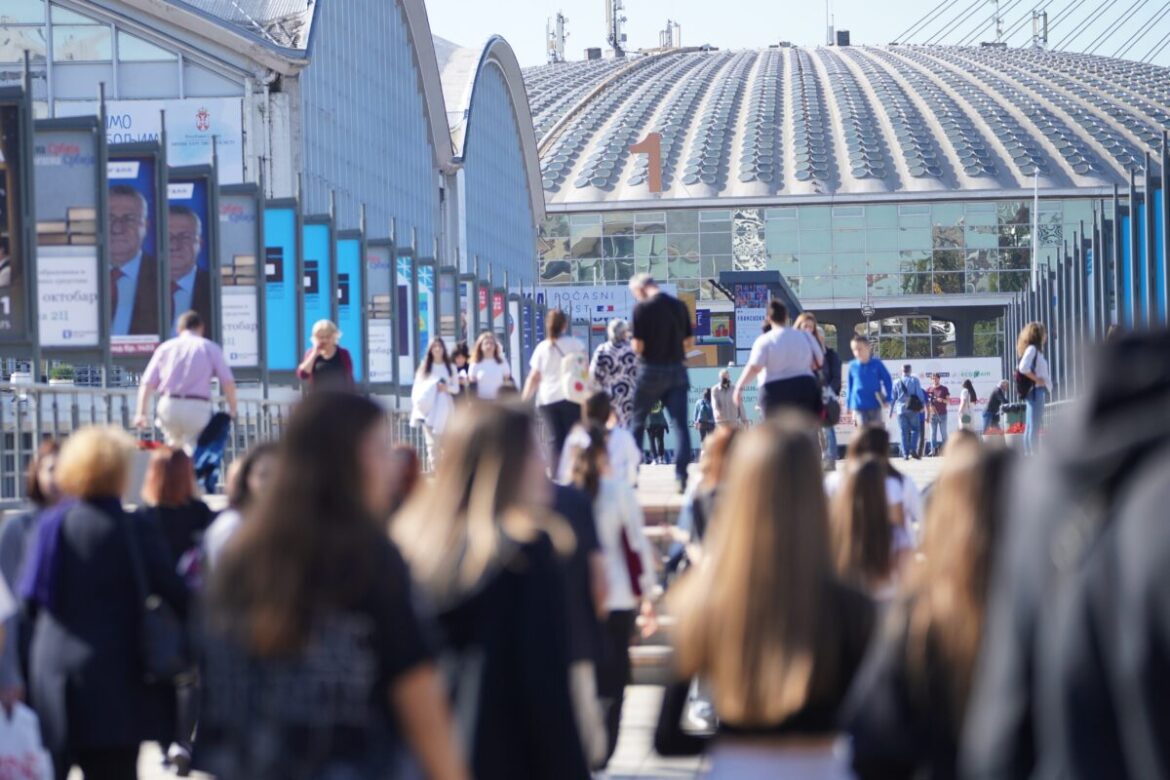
column 913, row 400
column 1073, row 648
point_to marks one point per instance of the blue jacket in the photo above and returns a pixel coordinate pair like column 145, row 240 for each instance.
column 905, row 387
column 864, row 381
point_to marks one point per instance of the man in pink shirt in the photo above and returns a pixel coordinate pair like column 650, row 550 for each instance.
column 180, row 371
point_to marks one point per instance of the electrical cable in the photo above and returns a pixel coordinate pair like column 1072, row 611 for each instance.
column 1112, row 29
column 1017, row 25
column 930, row 16
column 974, row 34
column 954, row 22
column 1084, row 24
column 1137, row 37
column 1157, row 49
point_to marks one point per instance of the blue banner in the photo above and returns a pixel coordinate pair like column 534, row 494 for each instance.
column 1125, row 307
column 349, row 301
column 426, row 309
column 406, row 322
column 1159, row 259
column 318, row 278
column 280, row 292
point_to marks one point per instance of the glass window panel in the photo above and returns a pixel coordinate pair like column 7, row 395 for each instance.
column 781, row 241
column 650, row 246
column 715, row 216
column 918, row 325
column 1014, row 281
column 14, row 41
column 715, row 243
column 849, row 240
column 558, row 272
column 915, row 238
column 1016, row 260
column 981, row 237
column 947, row 214
column 892, row 326
column 61, row 15
column 850, row 263
column 715, row 227
column 682, row 221
column 1014, row 235
column 881, row 216
column 948, row 283
column 642, row 265
column 881, row 239
column 650, row 217
column 982, row 260
column 618, row 269
column 883, row 262
column 950, row 260
column 785, row 214
column 555, row 226
column 40, row 109
column 553, row 248
column 982, row 281
column 814, row 217
column 885, row 284
column 914, row 261
column 131, row 48
column 590, row 272
column 585, row 246
column 848, row 214
column 659, row 265
column 1077, row 211
column 683, row 246
column 917, row 347
column 816, row 286
column 891, row 349
column 584, row 219
column 916, row 284
column 1014, row 212
column 617, row 246
column 815, row 264
column 946, row 237
column 786, row 263
column 618, row 224
column 714, row 265
column 820, row 240
column 23, row 12
column 75, row 43
column 649, row 228
column 849, row 286
column 686, row 267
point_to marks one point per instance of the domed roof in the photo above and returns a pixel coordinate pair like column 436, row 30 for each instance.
column 858, row 120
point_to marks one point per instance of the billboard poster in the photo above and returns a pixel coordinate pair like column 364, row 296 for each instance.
column 239, row 305
column 349, row 302
column 426, row 308
column 527, row 345
column 468, row 297
column 67, row 179
column 189, row 249
column 499, row 318
column 593, row 307
column 191, row 124
column 13, row 323
column 448, row 307
column 751, row 308
column 379, row 311
column 133, row 217
column 514, row 354
column 406, row 320
column 280, row 292
column 316, row 277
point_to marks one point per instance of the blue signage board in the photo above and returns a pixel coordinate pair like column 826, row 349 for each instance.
column 317, row 277
column 349, row 301
column 280, row 287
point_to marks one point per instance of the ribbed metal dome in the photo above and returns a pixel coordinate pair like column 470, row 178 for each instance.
column 848, row 120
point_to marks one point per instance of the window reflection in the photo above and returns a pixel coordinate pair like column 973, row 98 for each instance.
column 23, row 12
column 81, row 43
column 14, row 40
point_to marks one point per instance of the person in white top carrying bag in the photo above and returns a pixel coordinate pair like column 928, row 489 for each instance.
column 1033, row 381
column 489, row 371
column 431, row 398
column 552, row 364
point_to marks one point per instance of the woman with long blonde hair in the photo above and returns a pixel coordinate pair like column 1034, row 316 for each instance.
column 1033, row 368
column 483, row 549
column 907, row 708
column 488, row 371
column 764, row 620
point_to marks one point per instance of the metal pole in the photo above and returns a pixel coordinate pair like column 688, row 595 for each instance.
column 1035, row 223
column 1100, row 279
column 1117, row 306
column 1164, row 255
column 1134, row 288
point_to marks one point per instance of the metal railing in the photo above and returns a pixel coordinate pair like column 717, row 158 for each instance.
column 30, row 413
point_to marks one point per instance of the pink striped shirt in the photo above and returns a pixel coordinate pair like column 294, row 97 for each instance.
column 184, row 366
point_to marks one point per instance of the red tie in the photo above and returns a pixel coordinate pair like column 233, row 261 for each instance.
column 115, row 275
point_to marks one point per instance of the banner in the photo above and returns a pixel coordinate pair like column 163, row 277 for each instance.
column 527, row 345
column 317, row 278
column 67, row 180
column 448, row 308
column 13, row 322
column 191, row 124
column 514, row 354
column 280, row 294
column 407, row 325
column 133, row 220
column 239, row 306
column 751, row 308
column 468, row 296
column 499, row 318
column 189, row 248
column 593, row 306
column 426, row 309
column 379, row 324
column 349, row 302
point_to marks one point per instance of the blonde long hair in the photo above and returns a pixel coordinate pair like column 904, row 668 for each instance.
column 751, row 619
column 477, row 351
column 1031, row 335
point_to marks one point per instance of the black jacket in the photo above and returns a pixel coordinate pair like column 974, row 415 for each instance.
column 86, row 677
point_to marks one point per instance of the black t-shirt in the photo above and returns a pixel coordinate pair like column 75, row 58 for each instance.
column 324, row 711
column 331, row 373
column 584, row 628
column 662, row 324
column 183, row 526
column 995, row 402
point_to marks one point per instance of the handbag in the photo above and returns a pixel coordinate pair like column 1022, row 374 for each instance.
column 163, row 642
column 830, row 408
column 1025, row 383
column 633, row 564
column 575, row 381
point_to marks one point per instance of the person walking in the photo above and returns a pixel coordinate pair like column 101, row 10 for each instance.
column 991, row 418
column 765, row 622
column 625, row 458
column 903, row 499
column 550, row 365
column 937, row 399
column 657, row 427
column 908, row 402
column 1036, row 381
column 488, row 371
column 326, row 365
column 829, row 377
column 704, row 421
column 171, row 503
column 862, row 533
column 615, row 369
column 967, row 399
column 789, row 359
column 315, row 662
column 461, row 362
column 80, row 585
column 435, row 385
column 180, row 371
column 662, row 336
column 728, row 413
column 868, row 387
column 484, row 550
column 247, row 481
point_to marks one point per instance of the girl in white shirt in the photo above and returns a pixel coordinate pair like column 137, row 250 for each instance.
column 489, row 371
column 550, row 364
column 1034, row 365
column 431, row 398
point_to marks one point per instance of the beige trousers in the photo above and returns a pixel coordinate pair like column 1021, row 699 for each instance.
column 182, row 420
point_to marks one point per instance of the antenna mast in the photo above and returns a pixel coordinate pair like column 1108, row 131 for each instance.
column 1039, row 29
column 614, row 22
column 555, row 35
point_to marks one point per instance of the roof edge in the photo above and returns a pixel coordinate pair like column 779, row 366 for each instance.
column 430, row 81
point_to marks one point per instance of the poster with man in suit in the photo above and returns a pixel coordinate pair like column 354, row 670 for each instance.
column 190, row 265
column 134, row 269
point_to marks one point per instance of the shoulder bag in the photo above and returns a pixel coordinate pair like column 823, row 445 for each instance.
column 163, row 638
column 1024, row 383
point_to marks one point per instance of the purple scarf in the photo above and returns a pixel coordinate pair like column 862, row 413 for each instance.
column 38, row 581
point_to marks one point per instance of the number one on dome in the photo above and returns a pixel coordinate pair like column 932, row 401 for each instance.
column 651, row 146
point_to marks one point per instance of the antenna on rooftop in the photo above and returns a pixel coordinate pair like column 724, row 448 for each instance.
column 998, row 20
column 555, row 35
column 614, row 22
column 1039, row 29
column 671, row 37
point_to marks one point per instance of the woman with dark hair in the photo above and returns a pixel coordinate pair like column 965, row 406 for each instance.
column 902, row 495
column 461, row 362
column 16, row 535
column 247, row 479
column 168, row 492
column 765, row 622
column 789, row 359
column 315, row 662
column 967, row 399
column 551, row 364
column 435, row 385
column 863, row 539
column 907, row 708
column 482, row 546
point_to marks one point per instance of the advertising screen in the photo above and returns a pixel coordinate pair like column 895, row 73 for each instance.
column 189, row 248
column 316, row 278
column 239, row 306
column 67, row 179
column 407, row 325
column 349, row 302
column 13, row 263
column 427, row 308
column 514, row 353
column 133, row 216
column 379, row 313
column 468, row 296
column 447, row 307
column 280, row 288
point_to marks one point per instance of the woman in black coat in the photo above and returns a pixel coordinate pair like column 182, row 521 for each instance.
column 87, row 679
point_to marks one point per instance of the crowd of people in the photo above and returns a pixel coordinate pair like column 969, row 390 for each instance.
column 346, row 618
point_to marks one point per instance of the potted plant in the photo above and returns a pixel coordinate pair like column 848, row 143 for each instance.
column 1014, row 435
column 62, row 374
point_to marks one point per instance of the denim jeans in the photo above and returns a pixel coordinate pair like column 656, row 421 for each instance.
column 909, row 423
column 831, row 444
column 1034, row 419
column 938, row 432
column 990, row 421
column 668, row 384
column 864, row 417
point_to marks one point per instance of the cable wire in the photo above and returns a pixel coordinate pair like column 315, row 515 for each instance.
column 974, row 35
column 930, row 16
column 1015, row 26
column 1157, row 49
column 1112, row 29
column 1137, row 37
column 1084, row 24
column 954, row 22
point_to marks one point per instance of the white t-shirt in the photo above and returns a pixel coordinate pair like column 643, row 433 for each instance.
column 785, row 353
column 624, row 454
column 219, row 533
column 1040, row 368
column 899, row 493
column 547, row 359
column 616, row 507
column 488, row 376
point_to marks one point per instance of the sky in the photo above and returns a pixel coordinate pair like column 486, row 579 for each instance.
column 739, row 24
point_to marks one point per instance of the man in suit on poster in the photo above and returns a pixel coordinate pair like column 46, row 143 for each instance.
column 133, row 274
column 190, row 287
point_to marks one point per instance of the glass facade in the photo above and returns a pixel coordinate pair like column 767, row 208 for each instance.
column 825, row 252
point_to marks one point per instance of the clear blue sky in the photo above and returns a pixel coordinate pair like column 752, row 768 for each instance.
column 737, row 24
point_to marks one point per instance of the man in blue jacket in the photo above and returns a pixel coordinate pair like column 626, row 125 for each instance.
column 867, row 384
column 909, row 402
